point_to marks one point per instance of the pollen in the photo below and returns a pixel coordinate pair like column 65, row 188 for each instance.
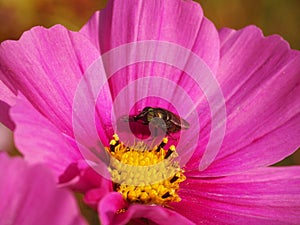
column 143, row 175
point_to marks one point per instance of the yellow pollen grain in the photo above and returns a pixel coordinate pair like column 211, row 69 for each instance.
column 146, row 176
column 172, row 148
column 112, row 142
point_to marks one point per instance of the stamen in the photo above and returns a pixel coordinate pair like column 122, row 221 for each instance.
column 174, row 178
column 112, row 145
column 142, row 175
column 162, row 144
column 116, row 138
column 166, row 195
column 170, row 151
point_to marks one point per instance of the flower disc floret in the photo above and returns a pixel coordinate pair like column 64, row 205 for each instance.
column 143, row 175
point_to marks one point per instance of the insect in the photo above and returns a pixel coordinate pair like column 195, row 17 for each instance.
column 171, row 123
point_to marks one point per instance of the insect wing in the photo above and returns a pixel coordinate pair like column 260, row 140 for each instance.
column 178, row 121
column 184, row 124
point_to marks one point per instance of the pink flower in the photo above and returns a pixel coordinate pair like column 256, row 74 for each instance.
column 258, row 77
column 29, row 196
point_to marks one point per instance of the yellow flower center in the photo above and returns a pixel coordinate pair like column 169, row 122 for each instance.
column 143, row 175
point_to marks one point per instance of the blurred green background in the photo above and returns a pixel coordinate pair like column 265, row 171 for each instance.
column 272, row 16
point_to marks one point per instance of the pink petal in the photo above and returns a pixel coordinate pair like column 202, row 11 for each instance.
column 23, row 202
column 94, row 195
column 259, row 78
column 40, row 141
column 109, row 213
column 263, row 196
column 7, row 99
column 198, row 36
column 180, row 22
column 130, row 81
column 84, row 112
column 46, row 65
column 4, row 116
column 7, row 95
